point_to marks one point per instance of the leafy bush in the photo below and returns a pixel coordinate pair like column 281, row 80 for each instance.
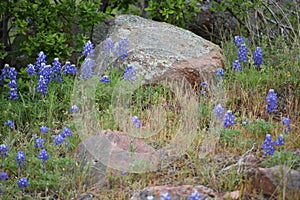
column 173, row 12
column 59, row 28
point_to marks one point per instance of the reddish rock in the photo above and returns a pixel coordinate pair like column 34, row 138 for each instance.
column 182, row 192
column 275, row 181
column 112, row 150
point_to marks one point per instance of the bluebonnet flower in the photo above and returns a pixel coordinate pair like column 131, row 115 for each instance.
column 20, row 159
column 136, row 120
column 23, row 183
column 203, row 88
column 87, row 68
column 44, row 77
column 245, row 122
column 203, row 84
column 238, row 40
column 129, row 73
column 31, row 70
column 66, row 132
column 10, row 123
column 58, row 139
column 42, row 85
column 3, row 176
column 195, row 196
column 220, row 72
column 228, row 119
column 0, row 191
column 104, row 79
column 13, row 93
column 272, row 101
column 56, row 70
column 237, row 66
column 88, row 49
column 74, row 109
column 243, row 53
column 70, row 69
column 39, row 142
column 268, row 145
column 122, row 48
column 3, row 150
column 123, row 173
column 258, row 57
column 10, row 73
column 165, row 196
column 44, row 129
column 286, row 121
column 43, row 155
column 40, row 59
column 219, row 111
column 279, row 141
column 108, row 46
column 150, row 197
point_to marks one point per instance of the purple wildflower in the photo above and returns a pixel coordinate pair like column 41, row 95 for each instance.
column 238, row 40
column 243, row 53
column 66, row 132
column 31, row 70
column 165, row 196
column 279, row 141
column 88, row 49
column 10, row 123
column 3, row 176
column 258, row 57
column 136, row 120
column 3, row 150
column 20, row 159
column 44, row 129
column 70, row 69
column 268, row 145
column 39, row 142
column 286, row 121
column 74, row 109
column 272, row 101
column 104, row 79
column 58, row 139
column 87, row 68
column 122, row 48
column 56, row 70
column 23, row 183
column 129, row 73
column 195, row 196
column 237, row 66
column 220, row 72
column 228, row 119
column 219, row 111
column 43, row 155
column 108, row 46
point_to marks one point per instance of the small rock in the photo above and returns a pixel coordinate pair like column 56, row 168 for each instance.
column 274, row 181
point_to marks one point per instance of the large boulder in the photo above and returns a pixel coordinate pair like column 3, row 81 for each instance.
column 159, row 50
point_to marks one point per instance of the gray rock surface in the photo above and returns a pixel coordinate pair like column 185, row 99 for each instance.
column 159, row 50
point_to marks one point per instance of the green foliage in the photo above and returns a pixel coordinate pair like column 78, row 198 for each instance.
column 55, row 27
column 173, row 12
column 285, row 157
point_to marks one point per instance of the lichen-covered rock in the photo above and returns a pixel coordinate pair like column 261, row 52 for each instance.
column 160, row 51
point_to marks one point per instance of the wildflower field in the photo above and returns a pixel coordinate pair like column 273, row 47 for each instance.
column 259, row 116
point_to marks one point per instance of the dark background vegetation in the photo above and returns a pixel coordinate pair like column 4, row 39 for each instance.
column 61, row 27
